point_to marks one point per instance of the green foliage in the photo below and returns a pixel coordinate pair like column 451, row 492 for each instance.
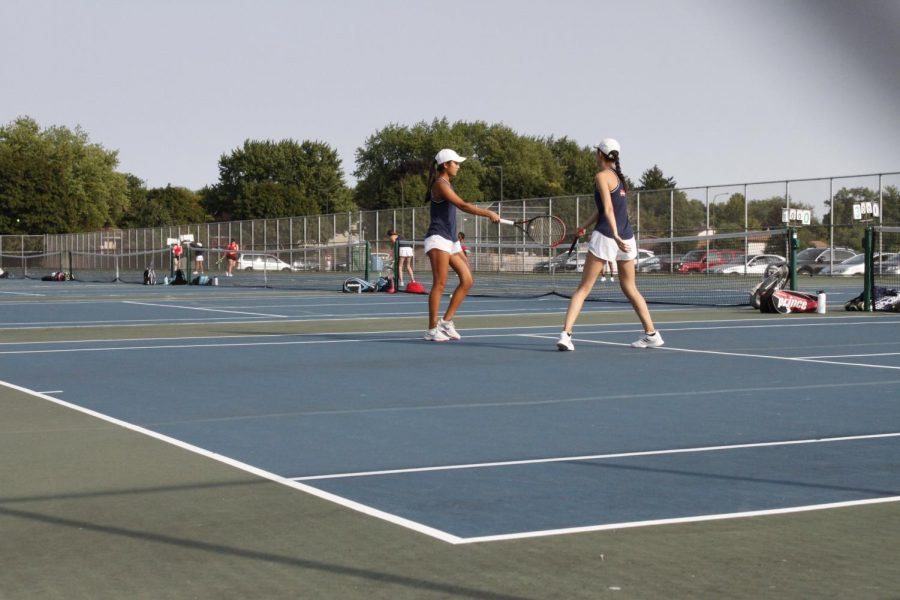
column 653, row 179
column 54, row 181
column 393, row 165
column 162, row 206
column 266, row 179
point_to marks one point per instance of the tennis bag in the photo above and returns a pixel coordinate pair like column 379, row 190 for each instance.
column 56, row 276
column 179, row 278
column 883, row 299
column 149, row 276
column 774, row 281
column 355, row 285
column 789, row 301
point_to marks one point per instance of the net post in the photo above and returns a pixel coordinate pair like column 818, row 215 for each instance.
column 368, row 258
column 396, row 252
column 869, row 274
column 187, row 266
column 794, row 244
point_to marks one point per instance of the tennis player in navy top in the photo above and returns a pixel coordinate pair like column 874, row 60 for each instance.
column 611, row 241
column 442, row 244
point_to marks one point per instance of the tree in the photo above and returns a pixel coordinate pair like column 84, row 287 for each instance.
column 267, row 179
column 393, row 165
column 55, row 181
column 653, row 179
column 162, row 206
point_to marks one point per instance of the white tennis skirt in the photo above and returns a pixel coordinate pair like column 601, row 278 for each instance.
column 406, row 251
column 605, row 248
column 436, row 242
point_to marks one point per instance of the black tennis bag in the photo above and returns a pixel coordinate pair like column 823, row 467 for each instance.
column 883, row 299
column 179, row 278
column 775, row 280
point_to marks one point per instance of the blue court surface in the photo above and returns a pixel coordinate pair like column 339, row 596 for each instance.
column 498, row 435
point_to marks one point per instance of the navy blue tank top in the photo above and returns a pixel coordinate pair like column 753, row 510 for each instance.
column 620, row 210
column 443, row 217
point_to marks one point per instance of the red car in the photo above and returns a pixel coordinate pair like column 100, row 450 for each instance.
column 699, row 261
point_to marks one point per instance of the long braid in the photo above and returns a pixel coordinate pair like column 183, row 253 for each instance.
column 615, row 156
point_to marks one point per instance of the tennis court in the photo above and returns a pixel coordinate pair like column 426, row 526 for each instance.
column 220, row 442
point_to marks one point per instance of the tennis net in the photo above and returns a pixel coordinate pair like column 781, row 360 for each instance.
column 886, row 257
column 33, row 265
column 715, row 270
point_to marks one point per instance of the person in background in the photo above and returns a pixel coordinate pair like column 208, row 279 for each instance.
column 462, row 244
column 405, row 254
column 176, row 255
column 199, row 257
column 231, row 257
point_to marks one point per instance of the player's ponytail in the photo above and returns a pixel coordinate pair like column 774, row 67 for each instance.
column 615, row 156
column 432, row 177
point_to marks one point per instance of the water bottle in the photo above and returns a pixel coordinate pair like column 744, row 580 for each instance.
column 820, row 303
column 166, row 280
column 215, row 281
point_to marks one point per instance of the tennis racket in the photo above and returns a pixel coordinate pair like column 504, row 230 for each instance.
column 545, row 230
column 575, row 239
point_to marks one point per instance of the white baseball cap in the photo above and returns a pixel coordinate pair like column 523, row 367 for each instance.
column 446, row 155
column 608, row 145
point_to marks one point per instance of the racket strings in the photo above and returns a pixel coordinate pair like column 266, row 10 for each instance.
column 546, row 230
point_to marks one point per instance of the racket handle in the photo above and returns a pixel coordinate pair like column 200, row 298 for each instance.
column 507, row 222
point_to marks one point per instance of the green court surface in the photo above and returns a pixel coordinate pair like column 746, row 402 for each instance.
column 92, row 509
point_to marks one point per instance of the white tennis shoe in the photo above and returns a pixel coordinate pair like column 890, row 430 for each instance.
column 649, row 340
column 436, row 335
column 564, row 343
column 448, row 329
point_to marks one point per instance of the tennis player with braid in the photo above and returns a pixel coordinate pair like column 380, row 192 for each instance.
column 442, row 244
column 611, row 240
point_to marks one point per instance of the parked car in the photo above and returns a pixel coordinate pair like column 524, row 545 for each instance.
column 889, row 266
column 251, row 261
column 857, row 264
column 305, row 265
column 563, row 262
column 812, row 260
column 649, row 265
column 646, row 261
column 700, row 261
column 749, row 264
column 668, row 263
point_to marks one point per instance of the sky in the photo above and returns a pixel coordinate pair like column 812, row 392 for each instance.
column 711, row 91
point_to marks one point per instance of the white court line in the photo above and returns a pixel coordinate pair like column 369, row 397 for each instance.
column 217, row 310
column 23, row 294
column 538, row 461
column 721, row 353
column 674, row 521
column 853, row 355
column 362, row 508
column 51, row 392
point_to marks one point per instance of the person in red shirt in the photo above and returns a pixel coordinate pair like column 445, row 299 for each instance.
column 231, row 257
column 176, row 254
